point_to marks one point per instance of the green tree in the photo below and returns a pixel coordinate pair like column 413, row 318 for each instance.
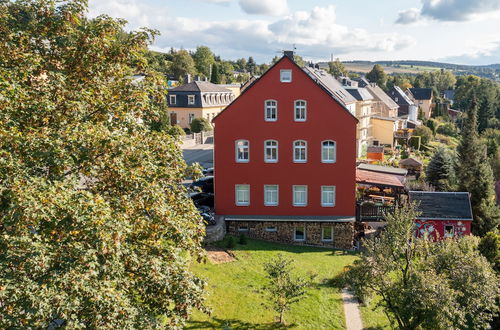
column 449, row 129
column 182, row 64
column 283, row 289
column 96, row 229
column 377, row 75
column 475, row 175
column 200, row 125
column 425, row 134
column 425, row 286
column 337, row 68
column 251, row 66
column 203, row 60
column 443, row 80
column 216, row 76
column 299, row 60
column 440, row 172
column 490, row 248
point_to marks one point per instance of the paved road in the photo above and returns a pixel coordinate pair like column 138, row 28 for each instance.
column 201, row 153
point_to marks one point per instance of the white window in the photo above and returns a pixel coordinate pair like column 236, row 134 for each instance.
column 448, row 231
column 271, row 151
column 271, row 195
column 300, row 151
column 191, row 117
column 271, row 229
column 286, row 76
column 328, row 151
column 242, row 228
column 242, row 194
column 173, row 99
column 300, row 110
column 242, row 151
column 190, row 99
column 271, row 110
column 327, row 234
column 328, row 196
column 299, row 195
column 299, row 233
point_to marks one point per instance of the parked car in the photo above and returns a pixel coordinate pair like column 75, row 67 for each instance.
column 206, row 184
column 203, row 199
column 208, row 171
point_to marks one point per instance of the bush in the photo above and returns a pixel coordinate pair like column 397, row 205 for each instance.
column 489, row 246
column 231, row 242
column 243, row 239
column 425, row 134
column 432, row 124
column 176, row 130
column 200, row 125
column 448, row 129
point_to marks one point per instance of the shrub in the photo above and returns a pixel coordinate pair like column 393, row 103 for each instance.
column 448, row 129
column 231, row 242
column 425, row 134
column 176, row 130
column 243, row 239
column 432, row 124
column 200, row 125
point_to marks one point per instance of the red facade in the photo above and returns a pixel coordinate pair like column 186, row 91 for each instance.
column 326, row 120
column 440, row 229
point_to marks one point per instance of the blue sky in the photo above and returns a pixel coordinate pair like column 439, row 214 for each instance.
column 458, row 31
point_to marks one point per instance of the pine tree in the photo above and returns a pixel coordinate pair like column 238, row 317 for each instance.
column 215, row 78
column 476, row 176
column 441, row 171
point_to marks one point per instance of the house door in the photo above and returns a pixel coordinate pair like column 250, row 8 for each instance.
column 173, row 118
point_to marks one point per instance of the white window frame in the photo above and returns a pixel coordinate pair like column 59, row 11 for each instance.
column 271, row 107
column 295, row 160
column 323, row 160
column 191, row 117
column 236, row 151
column 323, row 191
column 323, row 239
column 237, row 188
column 266, row 203
column 295, row 203
column 271, row 147
column 271, row 229
column 444, row 231
column 283, row 76
column 297, row 107
column 173, row 99
column 191, row 99
column 295, row 233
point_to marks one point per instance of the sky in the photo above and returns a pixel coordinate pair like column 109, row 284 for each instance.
column 454, row 31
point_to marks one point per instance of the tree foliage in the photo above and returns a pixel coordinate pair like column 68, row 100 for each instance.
column 440, row 172
column 182, row 65
column 283, row 289
column 337, row 68
column 425, row 285
column 203, row 60
column 200, row 125
column 215, row 78
column 96, row 230
column 425, row 134
column 377, row 75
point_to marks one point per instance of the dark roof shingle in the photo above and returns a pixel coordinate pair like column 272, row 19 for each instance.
column 421, row 93
column 200, row 86
column 442, row 205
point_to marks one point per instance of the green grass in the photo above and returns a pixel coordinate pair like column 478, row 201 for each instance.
column 373, row 319
column 238, row 301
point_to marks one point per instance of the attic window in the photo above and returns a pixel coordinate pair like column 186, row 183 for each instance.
column 286, row 76
column 190, row 99
column 173, row 99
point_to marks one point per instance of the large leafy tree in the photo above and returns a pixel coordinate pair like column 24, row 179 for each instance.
column 425, row 285
column 475, row 175
column 377, row 75
column 337, row 68
column 182, row 64
column 96, row 230
column 204, row 59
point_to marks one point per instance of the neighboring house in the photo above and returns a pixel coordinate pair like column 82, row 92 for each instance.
column 443, row 214
column 285, row 154
column 364, row 102
column 383, row 129
column 422, row 97
column 412, row 165
column 383, row 105
column 449, row 95
column 197, row 99
column 375, row 153
column 407, row 111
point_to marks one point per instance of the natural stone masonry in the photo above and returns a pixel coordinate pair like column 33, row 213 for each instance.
column 343, row 232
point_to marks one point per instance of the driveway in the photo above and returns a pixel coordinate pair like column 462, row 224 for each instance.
column 201, row 153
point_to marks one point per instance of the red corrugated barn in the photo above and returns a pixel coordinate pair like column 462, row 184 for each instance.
column 285, row 160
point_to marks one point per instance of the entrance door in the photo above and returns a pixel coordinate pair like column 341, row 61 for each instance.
column 173, row 118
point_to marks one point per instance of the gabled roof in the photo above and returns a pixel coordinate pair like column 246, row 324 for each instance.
column 442, row 205
column 200, row 86
column 410, row 162
column 333, row 86
column 383, row 169
column 449, row 94
column 360, row 94
column 379, row 94
column 402, row 97
column 362, row 82
column 421, row 93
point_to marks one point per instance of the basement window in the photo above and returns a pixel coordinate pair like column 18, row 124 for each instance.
column 299, row 233
column 243, row 229
column 271, row 229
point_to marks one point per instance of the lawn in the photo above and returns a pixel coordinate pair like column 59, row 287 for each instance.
column 373, row 319
column 238, row 301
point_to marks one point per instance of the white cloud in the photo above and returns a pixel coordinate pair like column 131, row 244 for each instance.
column 450, row 10
column 264, row 7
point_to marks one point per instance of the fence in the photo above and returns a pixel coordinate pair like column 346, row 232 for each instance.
column 197, row 138
column 370, row 212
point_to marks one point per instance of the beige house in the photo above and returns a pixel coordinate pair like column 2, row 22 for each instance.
column 364, row 105
column 422, row 97
column 198, row 99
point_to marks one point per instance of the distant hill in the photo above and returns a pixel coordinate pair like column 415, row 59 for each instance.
column 491, row 71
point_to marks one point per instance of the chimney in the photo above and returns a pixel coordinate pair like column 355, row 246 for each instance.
column 289, row 54
column 187, row 78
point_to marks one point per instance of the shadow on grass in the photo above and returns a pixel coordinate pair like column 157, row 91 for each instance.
column 216, row 323
column 374, row 328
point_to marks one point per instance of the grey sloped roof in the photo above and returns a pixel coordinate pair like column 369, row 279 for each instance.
column 383, row 169
column 360, row 94
column 402, row 97
column 362, row 82
column 421, row 93
column 379, row 94
column 200, row 86
column 442, row 205
column 331, row 84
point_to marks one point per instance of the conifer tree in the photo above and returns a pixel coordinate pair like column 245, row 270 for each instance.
column 441, row 170
column 215, row 78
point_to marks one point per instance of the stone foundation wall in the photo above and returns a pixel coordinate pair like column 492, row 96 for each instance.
column 343, row 232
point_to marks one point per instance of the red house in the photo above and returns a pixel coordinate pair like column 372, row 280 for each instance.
column 443, row 214
column 285, row 160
